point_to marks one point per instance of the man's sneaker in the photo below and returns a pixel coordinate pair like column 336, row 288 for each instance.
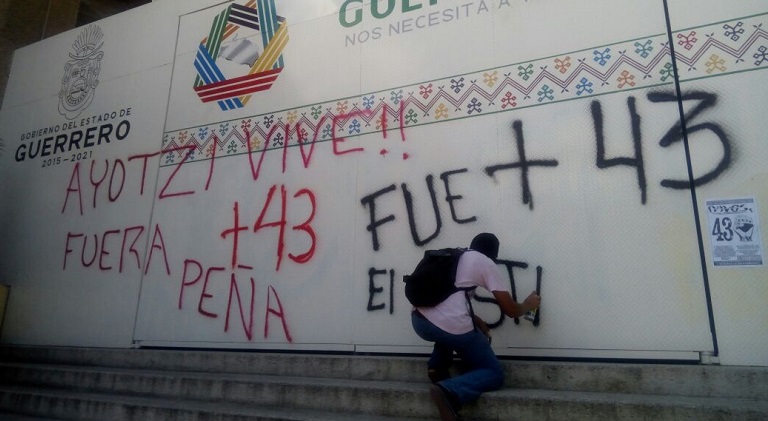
column 437, row 375
column 448, row 410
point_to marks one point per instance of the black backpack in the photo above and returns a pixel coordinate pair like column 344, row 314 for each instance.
column 433, row 279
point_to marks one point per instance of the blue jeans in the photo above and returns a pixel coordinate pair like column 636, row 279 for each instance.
column 484, row 372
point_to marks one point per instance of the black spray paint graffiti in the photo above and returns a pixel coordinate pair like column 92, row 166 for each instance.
column 635, row 161
column 524, row 164
column 509, row 265
column 707, row 100
column 374, row 290
column 376, row 303
column 704, row 101
column 370, row 202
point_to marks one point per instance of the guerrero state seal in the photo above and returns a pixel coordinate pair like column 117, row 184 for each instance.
column 81, row 73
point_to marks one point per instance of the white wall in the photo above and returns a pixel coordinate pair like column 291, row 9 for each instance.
column 739, row 316
column 464, row 86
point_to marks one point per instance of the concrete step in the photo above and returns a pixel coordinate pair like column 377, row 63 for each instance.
column 100, row 384
column 660, row 379
column 282, row 364
column 524, row 404
column 508, row 404
column 82, row 406
column 7, row 416
column 314, row 393
column 654, row 379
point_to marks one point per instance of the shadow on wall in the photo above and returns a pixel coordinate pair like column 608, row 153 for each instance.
column 27, row 22
column 92, row 10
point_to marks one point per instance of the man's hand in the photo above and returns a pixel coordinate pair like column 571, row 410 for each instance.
column 533, row 301
column 511, row 308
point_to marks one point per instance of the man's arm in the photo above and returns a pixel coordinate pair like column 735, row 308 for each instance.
column 514, row 309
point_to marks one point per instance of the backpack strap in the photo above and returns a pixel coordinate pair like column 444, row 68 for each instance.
column 467, row 290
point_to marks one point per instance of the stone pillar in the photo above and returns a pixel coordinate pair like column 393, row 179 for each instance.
column 23, row 22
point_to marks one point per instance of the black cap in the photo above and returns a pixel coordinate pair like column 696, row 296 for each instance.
column 487, row 244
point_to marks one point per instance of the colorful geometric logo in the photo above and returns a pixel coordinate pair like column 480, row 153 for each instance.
column 233, row 61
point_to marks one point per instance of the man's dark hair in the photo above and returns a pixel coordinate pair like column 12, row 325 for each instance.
column 487, row 244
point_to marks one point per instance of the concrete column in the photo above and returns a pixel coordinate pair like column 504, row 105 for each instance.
column 23, row 22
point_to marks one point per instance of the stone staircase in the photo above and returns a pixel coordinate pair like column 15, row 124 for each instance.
column 55, row 384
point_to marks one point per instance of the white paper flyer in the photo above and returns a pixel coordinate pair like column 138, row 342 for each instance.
column 734, row 232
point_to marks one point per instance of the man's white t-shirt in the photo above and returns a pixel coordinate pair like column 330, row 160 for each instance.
column 452, row 315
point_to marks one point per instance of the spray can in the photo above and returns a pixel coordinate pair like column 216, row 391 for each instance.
column 534, row 316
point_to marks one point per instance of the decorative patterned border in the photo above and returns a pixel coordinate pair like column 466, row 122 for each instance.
column 706, row 51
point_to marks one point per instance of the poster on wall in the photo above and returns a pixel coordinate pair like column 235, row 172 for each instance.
column 734, row 232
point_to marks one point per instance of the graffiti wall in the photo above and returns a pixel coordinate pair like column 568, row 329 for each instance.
column 261, row 174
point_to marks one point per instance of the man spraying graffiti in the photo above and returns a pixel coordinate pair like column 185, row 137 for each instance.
column 452, row 326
